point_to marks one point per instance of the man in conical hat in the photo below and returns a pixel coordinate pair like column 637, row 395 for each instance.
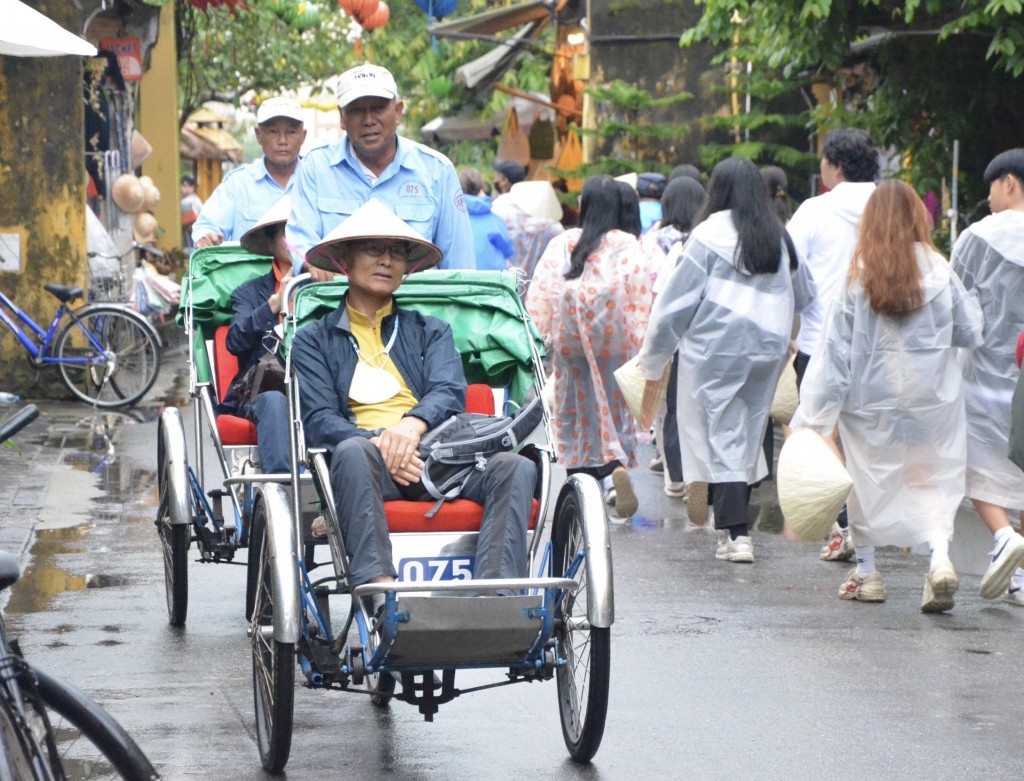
column 374, row 378
column 257, row 311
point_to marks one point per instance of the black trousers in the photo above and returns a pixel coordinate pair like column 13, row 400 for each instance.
column 730, row 501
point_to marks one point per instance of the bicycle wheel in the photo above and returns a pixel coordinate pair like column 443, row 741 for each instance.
column 583, row 680
column 273, row 662
column 173, row 512
column 121, row 370
column 88, row 742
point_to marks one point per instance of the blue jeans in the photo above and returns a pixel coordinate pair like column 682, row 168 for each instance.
column 361, row 484
column 270, row 411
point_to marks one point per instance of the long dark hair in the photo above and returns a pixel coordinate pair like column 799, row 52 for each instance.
column 629, row 209
column 681, row 203
column 599, row 213
column 736, row 185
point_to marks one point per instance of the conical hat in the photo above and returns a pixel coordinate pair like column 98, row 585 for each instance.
column 255, row 239
column 631, row 382
column 537, row 199
column 373, row 220
column 813, row 484
column 786, row 399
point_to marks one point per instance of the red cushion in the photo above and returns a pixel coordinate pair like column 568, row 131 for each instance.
column 479, row 399
column 234, row 430
column 1020, row 348
column 225, row 365
column 458, row 515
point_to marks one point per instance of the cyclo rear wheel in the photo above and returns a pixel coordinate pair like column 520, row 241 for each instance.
column 583, row 681
column 173, row 513
column 273, row 662
column 126, row 369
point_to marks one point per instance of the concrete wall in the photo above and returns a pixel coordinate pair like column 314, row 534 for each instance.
column 637, row 41
column 42, row 177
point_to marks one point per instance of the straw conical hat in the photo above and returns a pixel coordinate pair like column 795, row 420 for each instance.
column 813, row 484
column 785, row 401
column 373, row 220
column 631, row 382
column 536, row 199
column 128, row 193
column 255, row 240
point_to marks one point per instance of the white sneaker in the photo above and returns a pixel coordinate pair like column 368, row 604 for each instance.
column 675, row 490
column 1005, row 560
column 838, row 547
column 739, row 551
column 940, row 585
column 1014, row 595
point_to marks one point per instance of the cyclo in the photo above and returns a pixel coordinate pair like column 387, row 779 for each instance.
column 555, row 626
column 216, row 519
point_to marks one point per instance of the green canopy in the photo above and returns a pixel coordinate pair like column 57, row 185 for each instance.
column 493, row 333
column 213, row 274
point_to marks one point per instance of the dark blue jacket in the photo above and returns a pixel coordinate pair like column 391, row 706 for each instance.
column 252, row 321
column 324, row 360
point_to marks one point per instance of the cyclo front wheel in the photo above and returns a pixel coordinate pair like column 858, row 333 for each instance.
column 583, row 680
column 108, row 356
column 174, row 514
column 273, row 662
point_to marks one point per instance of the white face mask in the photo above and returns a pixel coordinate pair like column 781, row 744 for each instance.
column 371, row 385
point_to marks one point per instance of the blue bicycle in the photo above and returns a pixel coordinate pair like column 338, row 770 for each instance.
column 108, row 354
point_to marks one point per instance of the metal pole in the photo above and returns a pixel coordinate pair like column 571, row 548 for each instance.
column 954, row 191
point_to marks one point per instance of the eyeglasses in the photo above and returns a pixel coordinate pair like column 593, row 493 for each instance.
column 398, row 250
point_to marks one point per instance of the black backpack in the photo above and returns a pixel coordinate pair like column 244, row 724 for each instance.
column 464, row 442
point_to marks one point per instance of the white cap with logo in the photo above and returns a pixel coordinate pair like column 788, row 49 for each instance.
column 365, row 81
column 271, row 108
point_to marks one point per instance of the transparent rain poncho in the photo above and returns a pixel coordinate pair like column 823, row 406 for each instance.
column 989, row 258
column 732, row 329
column 895, row 387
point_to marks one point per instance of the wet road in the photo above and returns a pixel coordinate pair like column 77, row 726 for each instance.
column 719, row 671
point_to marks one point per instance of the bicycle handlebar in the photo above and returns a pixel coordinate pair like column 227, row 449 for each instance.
column 18, row 421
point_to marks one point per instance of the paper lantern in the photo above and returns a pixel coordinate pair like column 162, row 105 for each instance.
column 361, row 9
column 128, row 193
column 346, row 6
column 378, row 18
column 441, row 8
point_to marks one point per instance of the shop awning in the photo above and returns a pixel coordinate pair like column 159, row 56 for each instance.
column 199, row 142
column 27, row 33
column 495, row 21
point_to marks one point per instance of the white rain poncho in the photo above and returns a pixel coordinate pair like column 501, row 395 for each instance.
column 732, row 329
column 896, row 389
column 989, row 257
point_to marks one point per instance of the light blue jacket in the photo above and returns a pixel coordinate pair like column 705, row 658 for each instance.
column 420, row 185
column 491, row 241
column 240, row 200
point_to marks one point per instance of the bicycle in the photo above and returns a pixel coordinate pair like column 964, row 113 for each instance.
column 49, row 730
column 108, row 354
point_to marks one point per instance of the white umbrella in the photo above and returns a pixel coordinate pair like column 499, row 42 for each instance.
column 27, row 33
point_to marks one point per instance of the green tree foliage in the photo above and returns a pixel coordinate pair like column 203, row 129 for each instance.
column 276, row 45
column 916, row 74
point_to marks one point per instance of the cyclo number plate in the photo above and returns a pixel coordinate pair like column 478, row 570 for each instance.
column 436, row 568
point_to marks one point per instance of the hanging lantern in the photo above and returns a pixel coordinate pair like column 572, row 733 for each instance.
column 441, row 8
column 378, row 18
column 362, row 9
column 346, row 6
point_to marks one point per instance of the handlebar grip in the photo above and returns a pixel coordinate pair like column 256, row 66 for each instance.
column 18, row 421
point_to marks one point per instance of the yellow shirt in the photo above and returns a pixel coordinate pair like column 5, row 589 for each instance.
column 371, row 349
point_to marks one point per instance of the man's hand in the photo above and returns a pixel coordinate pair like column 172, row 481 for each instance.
column 397, row 446
column 209, row 240
column 318, row 274
column 274, row 302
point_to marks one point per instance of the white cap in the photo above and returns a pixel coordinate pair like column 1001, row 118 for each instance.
column 537, row 199
column 374, row 220
column 272, row 108
column 365, row 81
column 255, row 239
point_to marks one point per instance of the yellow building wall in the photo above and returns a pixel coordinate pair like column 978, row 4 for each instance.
column 42, row 176
column 158, row 122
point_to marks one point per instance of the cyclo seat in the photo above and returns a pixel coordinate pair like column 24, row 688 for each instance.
column 233, row 429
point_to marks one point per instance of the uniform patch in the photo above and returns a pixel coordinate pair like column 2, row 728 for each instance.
column 460, row 202
column 410, row 190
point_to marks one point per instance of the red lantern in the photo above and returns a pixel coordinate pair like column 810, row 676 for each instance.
column 361, row 9
column 378, row 18
column 346, row 6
